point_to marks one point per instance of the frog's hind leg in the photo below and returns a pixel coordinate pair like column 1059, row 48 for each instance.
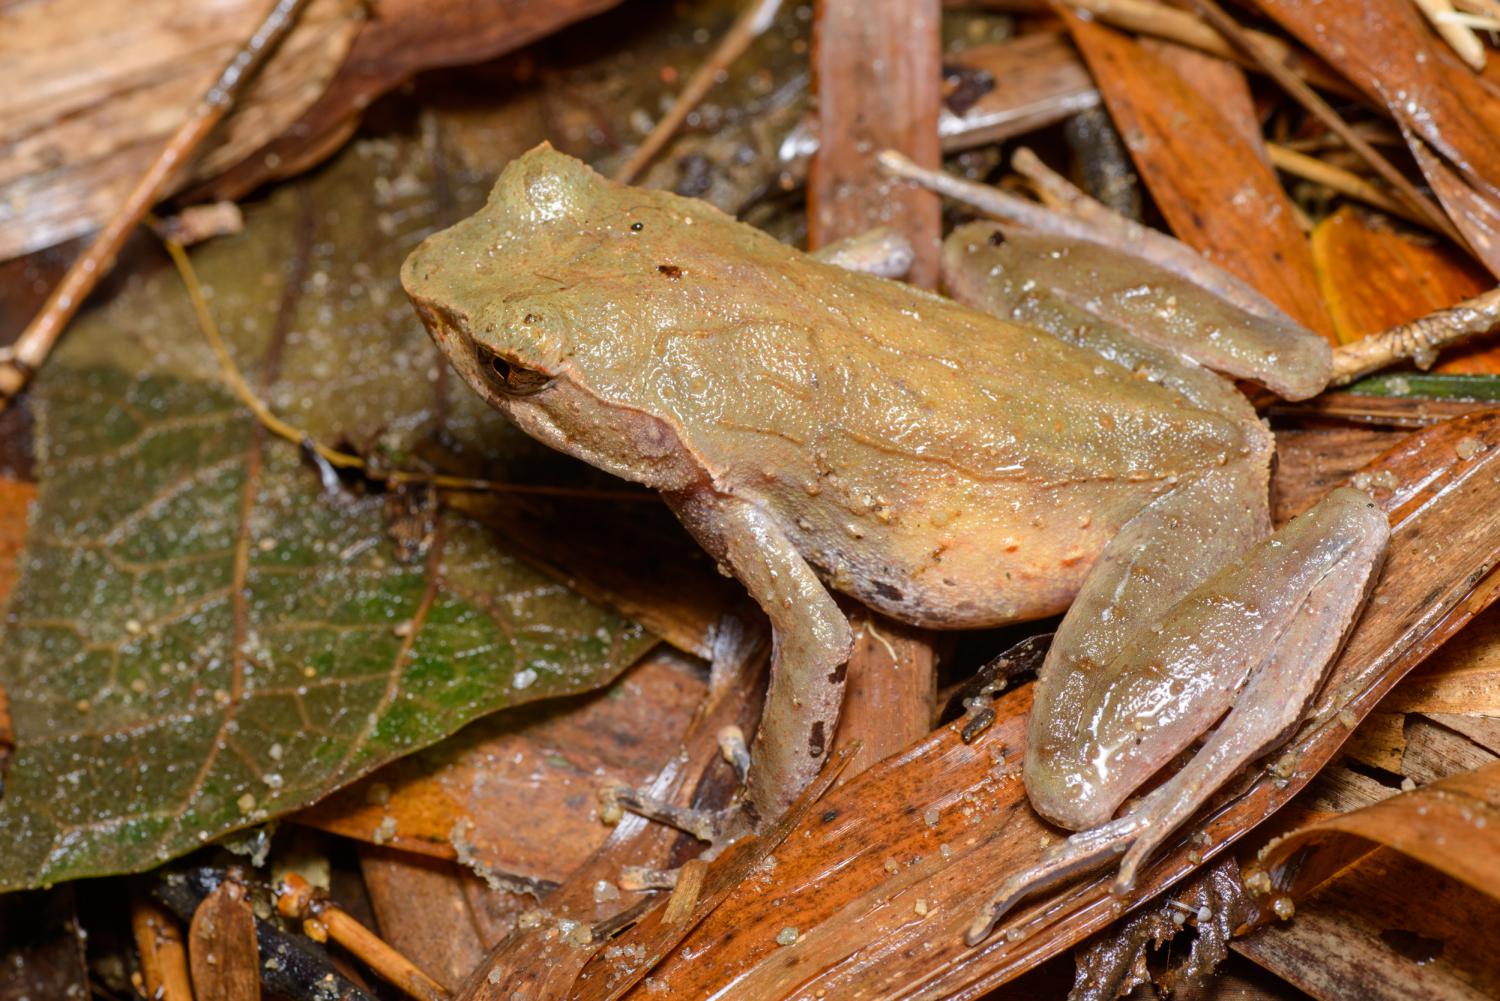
column 1275, row 618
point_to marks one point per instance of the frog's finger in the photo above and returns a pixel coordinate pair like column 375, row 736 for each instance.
column 1278, row 692
column 1012, row 271
column 880, row 251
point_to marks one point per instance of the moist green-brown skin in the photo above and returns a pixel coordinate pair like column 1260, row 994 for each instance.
column 816, row 427
column 941, row 465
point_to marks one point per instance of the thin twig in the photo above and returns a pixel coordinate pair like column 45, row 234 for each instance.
column 1450, row 26
column 345, row 460
column 749, row 26
column 36, row 341
column 297, row 900
column 1419, row 340
column 1340, row 180
column 164, row 963
column 1310, row 100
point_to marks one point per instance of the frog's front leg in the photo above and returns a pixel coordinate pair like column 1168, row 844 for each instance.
column 1245, row 649
column 811, row 643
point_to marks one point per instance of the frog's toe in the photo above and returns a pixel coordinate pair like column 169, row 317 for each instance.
column 713, row 826
column 1080, row 853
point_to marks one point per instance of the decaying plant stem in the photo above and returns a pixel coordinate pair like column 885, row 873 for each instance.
column 1420, row 340
column 749, row 26
column 36, row 341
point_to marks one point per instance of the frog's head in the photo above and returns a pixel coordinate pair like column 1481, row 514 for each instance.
column 508, row 296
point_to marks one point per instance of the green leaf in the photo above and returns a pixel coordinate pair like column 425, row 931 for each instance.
column 1430, row 386
column 203, row 635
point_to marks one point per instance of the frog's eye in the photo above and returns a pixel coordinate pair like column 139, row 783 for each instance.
column 509, row 377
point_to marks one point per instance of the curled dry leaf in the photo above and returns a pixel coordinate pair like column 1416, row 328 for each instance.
column 883, row 876
column 1395, row 899
column 1450, row 825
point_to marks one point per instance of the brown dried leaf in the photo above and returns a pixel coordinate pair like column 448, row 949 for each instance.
column 1209, row 177
column 1415, row 278
column 1388, row 929
column 399, row 39
column 1390, row 53
column 222, row 951
column 1039, row 81
column 883, row 877
column 73, row 152
column 1463, row 677
column 1389, row 926
column 543, row 763
column 97, row 87
column 423, row 912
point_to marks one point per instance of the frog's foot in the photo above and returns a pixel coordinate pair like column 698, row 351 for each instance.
column 713, row 826
column 1080, row 853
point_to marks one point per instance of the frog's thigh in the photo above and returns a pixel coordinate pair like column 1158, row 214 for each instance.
column 1158, row 556
column 1280, row 689
column 811, row 643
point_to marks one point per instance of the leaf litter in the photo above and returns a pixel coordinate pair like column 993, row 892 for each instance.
column 205, row 636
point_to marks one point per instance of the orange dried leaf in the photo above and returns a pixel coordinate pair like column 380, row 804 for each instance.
column 1209, row 177
column 1411, row 278
column 1450, row 116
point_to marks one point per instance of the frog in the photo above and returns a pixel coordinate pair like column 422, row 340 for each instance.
column 1009, row 452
